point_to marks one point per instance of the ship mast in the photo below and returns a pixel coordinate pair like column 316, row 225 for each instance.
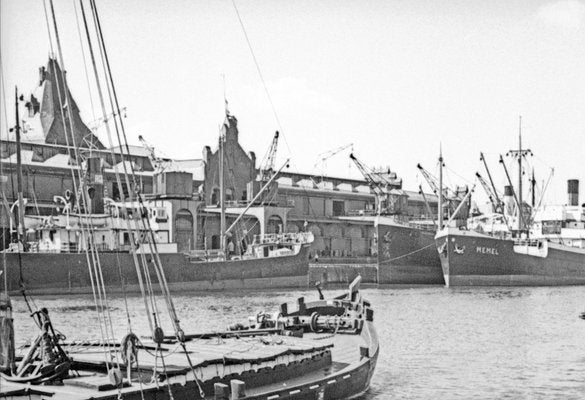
column 20, row 222
column 440, row 210
column 520, row 153
column 520, row 172
column 222, row 191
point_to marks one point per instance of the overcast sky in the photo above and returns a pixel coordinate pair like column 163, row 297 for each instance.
column 395, row 78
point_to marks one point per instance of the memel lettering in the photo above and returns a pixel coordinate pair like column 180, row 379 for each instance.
column 487, row 250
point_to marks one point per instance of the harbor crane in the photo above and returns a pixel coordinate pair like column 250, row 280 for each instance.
column 497, row 204
column 323, row 157
column 451, row 199
column 433, row 183
column 159, row 163
column 382, row 183
column 267, row 169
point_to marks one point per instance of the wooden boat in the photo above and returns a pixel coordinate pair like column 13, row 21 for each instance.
column 322, row 349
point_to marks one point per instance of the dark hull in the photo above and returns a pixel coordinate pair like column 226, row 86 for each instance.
column 407, row 255
column 471, row 259
column 68, row 273
column 265, row 363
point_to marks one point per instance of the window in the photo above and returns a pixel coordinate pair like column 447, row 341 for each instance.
column 306, row 206
column 338, row 208
column 229, row 194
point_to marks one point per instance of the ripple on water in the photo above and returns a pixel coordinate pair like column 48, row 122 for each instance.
column 435, row 343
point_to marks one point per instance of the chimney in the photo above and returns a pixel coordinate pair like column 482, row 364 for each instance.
column 509, row 204
column 573, row 192
column 95, row 187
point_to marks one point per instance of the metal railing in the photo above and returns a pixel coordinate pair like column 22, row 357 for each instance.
column 299, row 237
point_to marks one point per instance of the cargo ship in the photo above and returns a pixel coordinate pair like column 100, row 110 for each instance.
column 532, row 252
column 470, row 258
column 46, row 253
column 552, row 251
column 406, row 247
column 51, row 256
column 407, row 252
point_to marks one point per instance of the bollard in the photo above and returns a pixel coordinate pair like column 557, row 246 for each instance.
column 221, row 391
column 238, row 389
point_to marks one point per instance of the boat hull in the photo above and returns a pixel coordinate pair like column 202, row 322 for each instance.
column 473, row 259
column 407, row 255
column 46, row 273
column 334, row 359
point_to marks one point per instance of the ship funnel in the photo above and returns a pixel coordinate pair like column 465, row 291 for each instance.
column 95, row 185
column 509, row 205
column 573, row 192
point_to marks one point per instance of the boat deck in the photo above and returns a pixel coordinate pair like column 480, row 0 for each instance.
column 253, row 359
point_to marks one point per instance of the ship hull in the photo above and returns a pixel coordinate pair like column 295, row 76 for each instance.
column 407, row 255
column 472, row 259
column 46, row 273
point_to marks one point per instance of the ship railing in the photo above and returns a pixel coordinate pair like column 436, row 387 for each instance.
column 426, row 226
column 214, row 254
column 285, row 238
column 528, row 242
column 360, row 213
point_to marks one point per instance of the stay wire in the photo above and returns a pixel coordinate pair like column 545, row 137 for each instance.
column 101, row 48
column 90, row 245
column 84, row 61
column 146, row 221
column 152, row 243
column 129, row 230
column 90, row 261
column 257, row 64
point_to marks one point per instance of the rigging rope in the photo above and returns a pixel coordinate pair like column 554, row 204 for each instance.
column 101, row 301
column 142, row 210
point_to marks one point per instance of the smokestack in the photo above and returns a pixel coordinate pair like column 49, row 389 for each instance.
column 509, row 204
column 573, row 192
column 95, row 186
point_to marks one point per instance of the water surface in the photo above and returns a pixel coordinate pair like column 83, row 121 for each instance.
column 436, row 343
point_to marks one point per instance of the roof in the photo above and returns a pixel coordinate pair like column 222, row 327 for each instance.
column 134, row 150
column 195, row 167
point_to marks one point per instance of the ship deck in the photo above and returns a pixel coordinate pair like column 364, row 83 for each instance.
column 266, row 362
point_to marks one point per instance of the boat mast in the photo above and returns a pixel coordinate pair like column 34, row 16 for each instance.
column 520, row 220
column 20, row 222
column 520, row 153
column 222, row 191
column 440, row 211
column 533, row 186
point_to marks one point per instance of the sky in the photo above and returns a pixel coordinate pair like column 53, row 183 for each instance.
column 397, row 79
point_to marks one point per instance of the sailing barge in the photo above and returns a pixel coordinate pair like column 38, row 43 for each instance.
column 323, row 349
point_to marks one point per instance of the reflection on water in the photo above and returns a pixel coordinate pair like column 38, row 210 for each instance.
column 460, row 343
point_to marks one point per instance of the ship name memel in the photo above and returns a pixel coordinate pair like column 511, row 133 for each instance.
column 487, row 250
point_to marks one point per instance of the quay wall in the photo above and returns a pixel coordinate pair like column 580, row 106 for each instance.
column 342, row 273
